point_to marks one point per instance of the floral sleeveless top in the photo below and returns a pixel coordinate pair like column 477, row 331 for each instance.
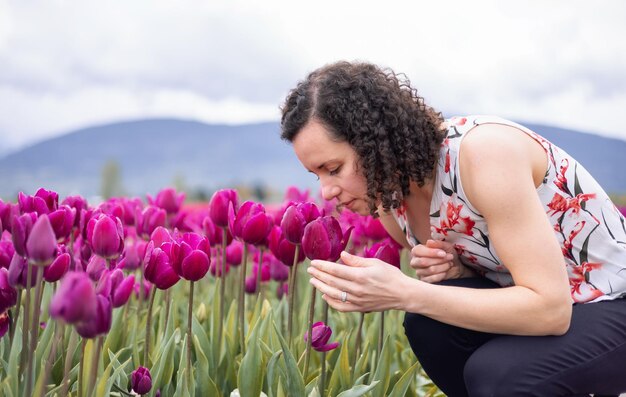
column 588, row 226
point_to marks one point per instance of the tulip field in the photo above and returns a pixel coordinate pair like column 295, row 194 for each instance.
column 158, row 297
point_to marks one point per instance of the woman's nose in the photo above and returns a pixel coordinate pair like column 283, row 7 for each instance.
column 329, row 191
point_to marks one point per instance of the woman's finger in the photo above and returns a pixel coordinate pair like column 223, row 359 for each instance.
column 424, row 262
column 432, row 270
column 328, row 279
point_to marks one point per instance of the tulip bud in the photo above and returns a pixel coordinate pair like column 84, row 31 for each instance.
column 18, row 272
column 295, row 219
column 201, row 312
column 278, row 271
column 323, row 239
column 149, row 219
column 95, row 267
column 282, row 290
column 219, row 206
column 106, row 236
column 158, row 269
column 78, row 203
column 62, row 221
column 234, row 253
column 100, row 323
column 41, row 245
column 386, row 252
column 251, row 224
column 4, row 323
column 8, row 294
column 374, row 229
column 57, row 269
column 141, row 380
column 168, row 200
column 122, row 292
column 282, row 249
column 251, row 284
column 75, row 300
column 20, row 230
column 6, row 253
column 319, row 337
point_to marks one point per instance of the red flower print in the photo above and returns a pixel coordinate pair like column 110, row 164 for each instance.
column 561, row 181
column 447, row 167
column 562, row 204
column 458, row 120
column 455, row 222
column 567, row 244
column 578, row 278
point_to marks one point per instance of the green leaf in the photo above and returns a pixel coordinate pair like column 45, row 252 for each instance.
column 272, row 378
column 382, row 372
column 359, row 390
column 251, row 371
column 345, row 377
column 401, row 387
column 107, row 380
column 164, row 364
column 295, row 383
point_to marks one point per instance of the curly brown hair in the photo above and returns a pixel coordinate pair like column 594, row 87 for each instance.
column 394, row 133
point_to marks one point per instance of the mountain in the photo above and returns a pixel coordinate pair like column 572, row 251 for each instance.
column 152, row 154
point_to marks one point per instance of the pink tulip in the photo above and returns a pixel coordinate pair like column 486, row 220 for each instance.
column 219, row 206
column 296, row 195
column 100, row 323
column 106, row 236
column 7, row 212
column 18, row 272
column 6, row 253
column 234, row 253
column 96, row 266
column 282, row 249
column 77, row 203
column 278, row 271
column 62, row 221
column 41, row 246
column 8, row 294
column 58, row 268
column 324, row 240
column 251, row 224
column 216, row 268
column 168, row 200
column 21, row 226
column 373, row 229
column 75, row 300
column 320, row 335
column 43, row 202
column 386, row 252
column 296, row 218
column 158, row 269
column 149, row 219
column 250, row 286
column 134, row 251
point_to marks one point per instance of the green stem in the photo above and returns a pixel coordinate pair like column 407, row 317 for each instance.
column 357, row 344
column 69, row 355
column 189, row 324
column 241, row 305
column 26, row 321
column 34, row 334
column 146, row 347
column 292, row 293
column 93, row 376
column 81, row 366
column 322, row 386
column 15, row 319
column 381, row 335
column 258, row 274
column 222, row 279
column 58, row 332
column 309, row 333
column 168, row 304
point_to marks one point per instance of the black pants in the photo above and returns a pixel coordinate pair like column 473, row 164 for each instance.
column 589, row 358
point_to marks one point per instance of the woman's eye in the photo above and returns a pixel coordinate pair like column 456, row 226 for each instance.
column 334, row 172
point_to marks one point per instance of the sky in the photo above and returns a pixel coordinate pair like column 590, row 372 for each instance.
column 66, row 65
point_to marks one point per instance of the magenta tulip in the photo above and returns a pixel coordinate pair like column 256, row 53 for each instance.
column 58, row 268
column 282, row 249
column 373, row 229
column 100, row 323
column 75, row 300
column 8, row 294
column 278, row 271
column 386, row 252
column 20, row 230
column 296, row 218
column 134, row 251
column 168, row 200
column 6, row 253
column 296, row 195
column 216, row 268
column 234, row 253
column 43, row 202
column 158, row 269
column 324, row 240
column 190, row 256
column 95, row 267
column 251, row 224
column 250, row 286
column 62, row 221
column 77, row 203
column 41, row 246
column 4, row 324
column 219, row 206
column 141, row 380
column 106, row 236
column 321, row 333
column 149, row 219
column 17, row 272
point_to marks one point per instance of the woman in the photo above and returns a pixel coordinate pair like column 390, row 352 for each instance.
column 519, row 254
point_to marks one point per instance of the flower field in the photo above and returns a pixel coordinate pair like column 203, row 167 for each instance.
column 157, row 297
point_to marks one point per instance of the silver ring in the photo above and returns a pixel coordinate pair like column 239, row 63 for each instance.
column 344, row 296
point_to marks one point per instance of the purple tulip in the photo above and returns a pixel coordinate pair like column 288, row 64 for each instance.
column 21, row 226
column 296, row 218
column 168, row 200
column 6, row 253
column 7, row 211
column 158, row 269
column 159, row 236
column 145, row 291
column 43, row 202
column 141, row 380
column 122, row 292
column 41, row 246
column 234, row 253
column 265, row 268
column 62, row 221
column 374, row 229
column 296, row 195
column 106, row 236
column 95, row 267
column 100, row 323
column 18, row 269
column 319, row 337
column 149, row 219
column 282, row 249
column 250, row 286
column 58, row 268
column 216, row 268
column 79, row 204
column 75, row 300
column 8, row 294
column 134, row 251
column 189, row 257
column 4, row 323
column 215, row 233
column 219, row 206
column 251, row 224
column 386, row 252
column 278, row 271
column 324, row 240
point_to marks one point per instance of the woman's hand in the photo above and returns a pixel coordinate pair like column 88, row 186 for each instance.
column 436, row 261
column 370, row 284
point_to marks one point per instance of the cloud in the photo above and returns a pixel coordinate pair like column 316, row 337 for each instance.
column 70, row 64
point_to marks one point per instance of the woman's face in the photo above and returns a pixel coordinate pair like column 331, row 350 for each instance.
column 335, row 164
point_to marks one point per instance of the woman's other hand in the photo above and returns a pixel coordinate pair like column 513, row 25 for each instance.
column 436, row 261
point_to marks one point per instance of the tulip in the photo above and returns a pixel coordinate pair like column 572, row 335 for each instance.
column 8, row 294
column 296, row 195
column 282, row 290
column 158, row 269
column 282, row 249
column 216, row 268
column 95, row 267
column 234, row 253
column 79, row 204
column 296, row 218
column 43, row 202
column 386, row 252
column 20, row 229
column 219, row 206
column 374, row 229
column 190, row 257
column 134, row 251
column 278, row 271
column 75, row 300
column 18, row 269
column 141, row 380
column 7, row 250
column 320, row 335
column 323, row 239
column 100, row 322
column 145, row 291
column 62, row 221
column 251, row 224
column 250, row 284
column 149, row 219
column 41, row 245
column 57, row 269
column 106, row 236
column 168, row 200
